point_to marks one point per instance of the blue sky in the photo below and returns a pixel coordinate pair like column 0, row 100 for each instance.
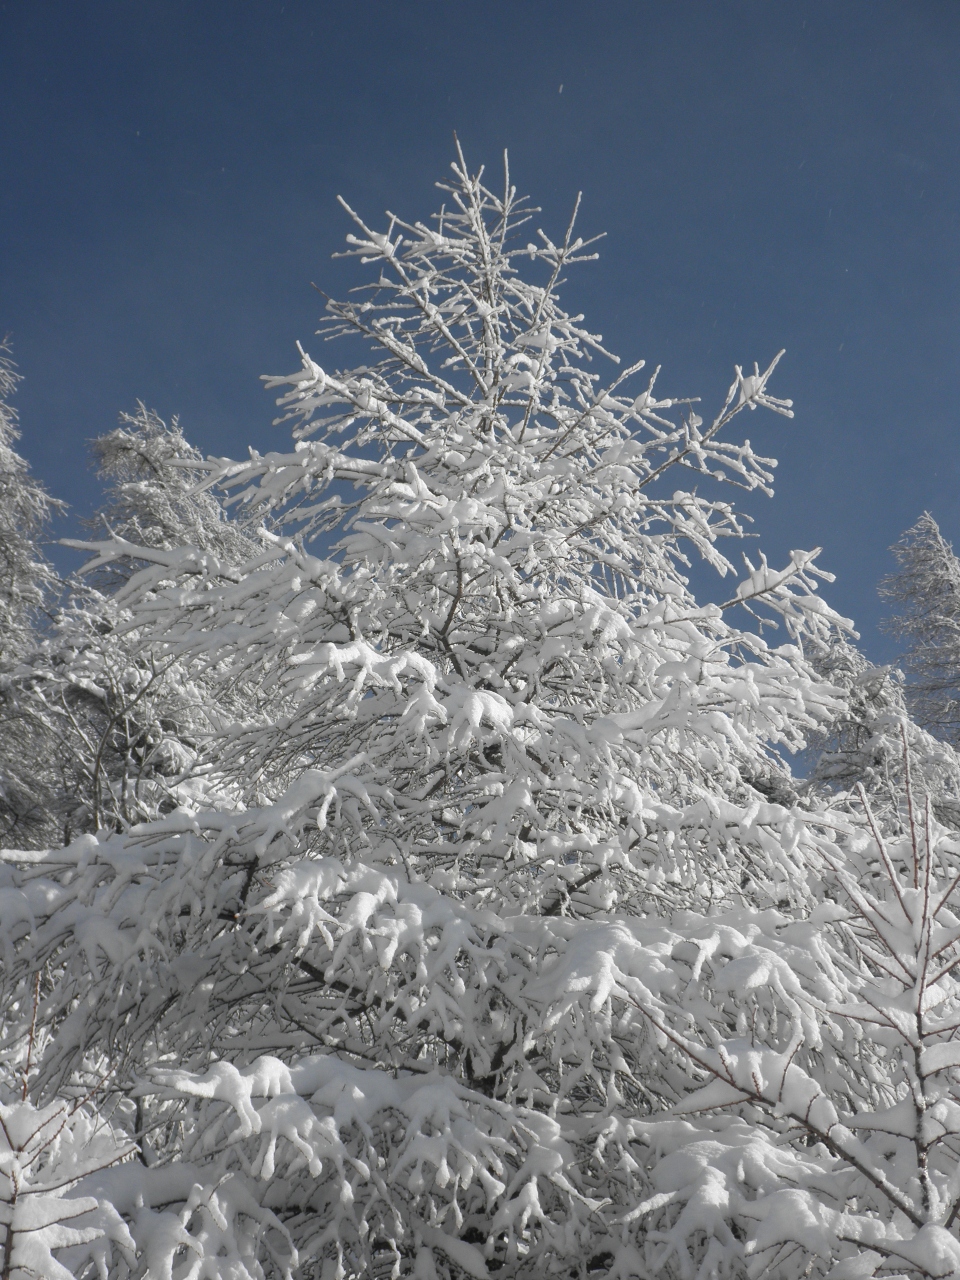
column 773, row 174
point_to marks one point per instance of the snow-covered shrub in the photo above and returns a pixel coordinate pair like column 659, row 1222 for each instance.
column 822, row 1139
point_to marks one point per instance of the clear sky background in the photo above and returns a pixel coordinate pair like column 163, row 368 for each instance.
column 778, row 173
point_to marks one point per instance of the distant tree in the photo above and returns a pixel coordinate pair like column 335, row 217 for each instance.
column 123, row 730
column 28, row 586
column 130, row 726
column 925, row 592
column 98, row 731
column 155, row 497
column 862, row 745
column 26, row 579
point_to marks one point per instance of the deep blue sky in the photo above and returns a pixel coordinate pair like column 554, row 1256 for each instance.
column 778, row 173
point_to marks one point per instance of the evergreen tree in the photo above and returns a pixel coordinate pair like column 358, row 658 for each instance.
column 28, row 585
column 863, row 744
column 424, row 994
column 925, row 590
column 100, row 731
column 513, row 561
column 129, row 725
column 154, row 498
column 26, row 579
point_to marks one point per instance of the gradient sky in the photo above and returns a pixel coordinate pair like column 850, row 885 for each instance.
column 773, row 174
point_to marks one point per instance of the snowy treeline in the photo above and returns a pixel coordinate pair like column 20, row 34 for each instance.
column 404, row 875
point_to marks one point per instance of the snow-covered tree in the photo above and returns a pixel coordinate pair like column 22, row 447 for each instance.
column 25, row 576
column 863, row 744
column 925, row 591
column 133, row 723
column 117, row 733
column 823, row 1137
column 121, row 729
column 28, row 584
column 152, row 498
column 45, row 1152
column 506, row 613
column 390, row 1005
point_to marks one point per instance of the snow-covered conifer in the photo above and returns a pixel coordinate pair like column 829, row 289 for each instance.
column 862, row 745
column 925, row 591
column 120, row 731
column 27, row 584
column 389, row 1007
column 505, row 619
column 25, row 576
column 152, row 496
